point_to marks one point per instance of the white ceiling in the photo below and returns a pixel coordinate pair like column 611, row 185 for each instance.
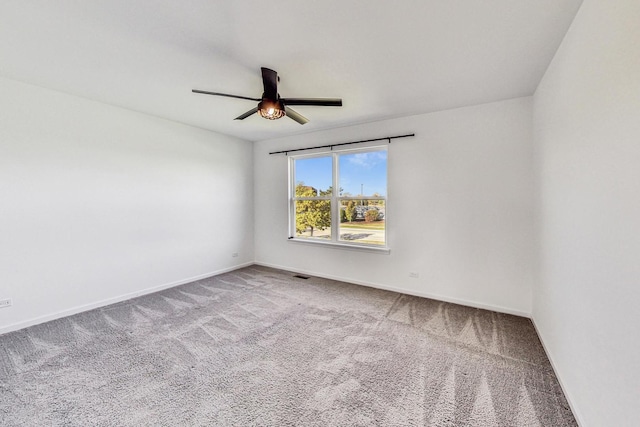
column 385, row 59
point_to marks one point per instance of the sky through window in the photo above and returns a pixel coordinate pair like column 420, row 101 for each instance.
column 360, row 173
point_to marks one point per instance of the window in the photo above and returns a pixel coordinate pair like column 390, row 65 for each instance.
column 355, row 213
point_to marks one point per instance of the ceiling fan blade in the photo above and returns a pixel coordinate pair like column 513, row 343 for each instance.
column 270, row 83
column 321, row 102
column 223, row 94
column 295, row 115
column 247, row 114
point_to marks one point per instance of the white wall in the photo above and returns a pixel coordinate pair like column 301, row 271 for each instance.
column 98, row 203
column 460, row 207
column 587, row 134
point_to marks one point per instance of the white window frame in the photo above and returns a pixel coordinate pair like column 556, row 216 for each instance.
column 336, row 201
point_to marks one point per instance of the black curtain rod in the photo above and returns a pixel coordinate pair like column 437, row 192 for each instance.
column 388, row 138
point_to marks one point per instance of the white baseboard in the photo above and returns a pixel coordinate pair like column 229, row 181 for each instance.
column 102, row 303
column 108, row 301
column 402, row 290
column 567, row 395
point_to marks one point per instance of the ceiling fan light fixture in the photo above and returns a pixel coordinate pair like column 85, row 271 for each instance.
column 271, row 110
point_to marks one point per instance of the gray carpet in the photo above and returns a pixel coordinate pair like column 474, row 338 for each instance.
column 260, row 347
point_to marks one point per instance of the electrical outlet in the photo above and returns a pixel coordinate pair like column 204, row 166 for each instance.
column 414, row 275
column 235, row 254
column 5, row 302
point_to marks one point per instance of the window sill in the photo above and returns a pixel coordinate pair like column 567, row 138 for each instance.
column 344, row 246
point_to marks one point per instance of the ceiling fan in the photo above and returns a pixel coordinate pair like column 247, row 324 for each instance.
column 271, row 106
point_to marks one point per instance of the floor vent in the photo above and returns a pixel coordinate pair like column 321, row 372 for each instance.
column 300, row 276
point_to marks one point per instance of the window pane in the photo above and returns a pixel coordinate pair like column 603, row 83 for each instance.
column 362, row 221
column 313, row 219
column 363, row 174
column 313, row 176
